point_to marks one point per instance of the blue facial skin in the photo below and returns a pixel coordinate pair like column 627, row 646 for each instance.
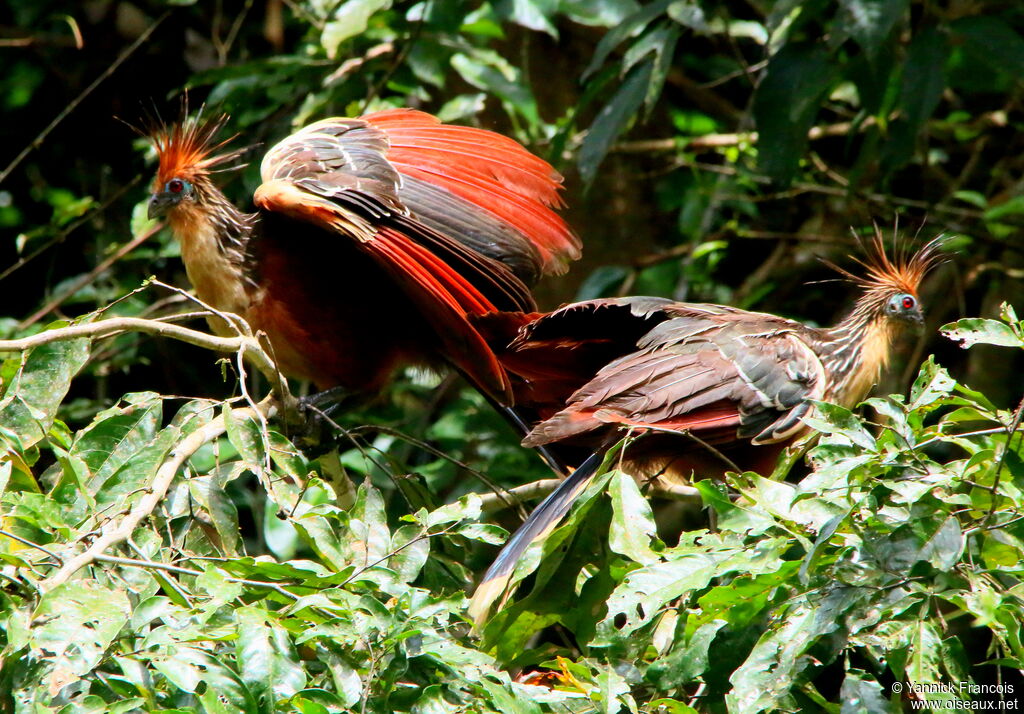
column 174, row 192
column 905, row 306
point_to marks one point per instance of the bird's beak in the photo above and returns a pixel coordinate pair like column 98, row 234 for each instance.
column 158, row 205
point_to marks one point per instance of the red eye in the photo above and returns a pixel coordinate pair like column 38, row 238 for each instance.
column 908, row 302
column 175, row 185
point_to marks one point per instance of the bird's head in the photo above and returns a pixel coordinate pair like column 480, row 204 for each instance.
column 890, row 285
column 187, row 154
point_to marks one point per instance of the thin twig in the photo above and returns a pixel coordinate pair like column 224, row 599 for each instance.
column 154, row 565
column 720, row 141
column 728, row 77
column 118, row 530
column 88, row 277
column 419, row 443
column 802, row 187
column 1011, row 432
column 117, row 325
column 30, row 544
column 423, row 535
column 62, row 235
column 491, row 503
column 700, row 442
column 243, row 343
column 224, row 47
column 125, row 54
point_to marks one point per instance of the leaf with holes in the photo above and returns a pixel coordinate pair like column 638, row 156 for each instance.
column 77, row 622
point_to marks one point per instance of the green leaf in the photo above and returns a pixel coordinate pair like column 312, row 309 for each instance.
column 466, row 508
column 267, row 660
column 976, row 330
column 839, row 420
column 489, row 72
column 209, row 492
column 943, row 545
column 932, row 383
column 600, row 13
column 627, row 27
column 245, row 435
column 871, row 21
column 644, row 592
column 797, row 80
column 350, row 19
column 411, row 550
column 117, row 435
column 602, row 282
column 223, row 692
column 921, row 661
column 141, row 222
column 632, row 527
column 39, row 385
column 689, row 13
column 532, row 14
column 777, row 659
column 613, row 118
column 370, row 539
column 78, row 621
column 462, row 107
column 862, row 694
column 139, row 469
column 924, row 80
column 993, row 42
column 687, row 660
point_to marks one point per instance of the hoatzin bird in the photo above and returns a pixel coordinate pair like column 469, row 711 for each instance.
column 715, row 388
column 372, row 241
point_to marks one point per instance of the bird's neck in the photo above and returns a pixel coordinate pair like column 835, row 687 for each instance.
column 855, row 352
column 214, row 238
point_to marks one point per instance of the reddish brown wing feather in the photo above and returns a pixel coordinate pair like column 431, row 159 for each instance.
column 649, row 362
column 445, row 298
column 667, row 391
column 442, row 295
column 491, row 171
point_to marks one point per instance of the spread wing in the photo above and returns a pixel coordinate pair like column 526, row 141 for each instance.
column 483, row 188
column 335, row 175
column 719, row 373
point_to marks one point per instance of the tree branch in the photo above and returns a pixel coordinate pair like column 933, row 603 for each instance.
column 493, row 502
column 718, row 141
column 118, row 530
column 88, row 277
column 244, row 343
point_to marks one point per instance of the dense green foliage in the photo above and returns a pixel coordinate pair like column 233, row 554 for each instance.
column 169, row 542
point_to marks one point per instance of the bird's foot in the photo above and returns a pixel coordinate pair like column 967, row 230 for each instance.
column 317, row 430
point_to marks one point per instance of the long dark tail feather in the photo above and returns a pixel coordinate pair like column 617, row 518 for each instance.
column 555, row 463
column 544, row 519
column 515, row 419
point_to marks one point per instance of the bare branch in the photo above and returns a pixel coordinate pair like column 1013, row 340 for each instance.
column 154, row 565
column 719, row 141
column 89, row 277
column 493, row 502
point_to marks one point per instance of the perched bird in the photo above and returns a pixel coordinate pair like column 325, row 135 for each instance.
column 372, row 241
column 712, row 388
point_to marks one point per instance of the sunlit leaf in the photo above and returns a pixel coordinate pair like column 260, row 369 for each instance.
column 976, row 330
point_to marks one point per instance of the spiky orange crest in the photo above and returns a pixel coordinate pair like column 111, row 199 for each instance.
column 187, row 148
column 902, row 273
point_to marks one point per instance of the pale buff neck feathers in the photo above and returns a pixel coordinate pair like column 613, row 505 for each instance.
column 215, row 272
